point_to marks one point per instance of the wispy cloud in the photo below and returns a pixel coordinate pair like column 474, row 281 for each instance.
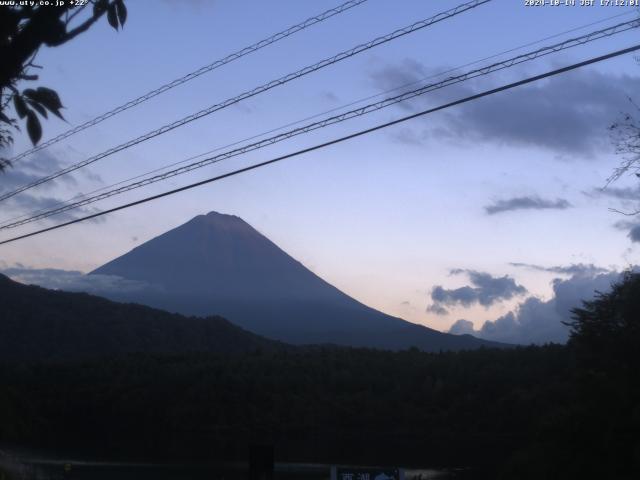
column 329, row 96
column 573, row 269
column 620, row 193
column 73, row 281
column 33, row 168
column 34, row 200
column 526, row 203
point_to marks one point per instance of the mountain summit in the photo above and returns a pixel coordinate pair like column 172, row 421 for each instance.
column 222, row 258
column 219, row 264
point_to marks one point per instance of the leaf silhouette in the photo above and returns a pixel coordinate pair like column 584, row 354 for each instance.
column 112, row 16
column 20, row 106
column 33, row 127
column 39, row 108
column 121, row 9
column 47, row 98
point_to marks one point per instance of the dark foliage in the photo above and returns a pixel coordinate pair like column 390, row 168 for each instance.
column 39, row 324
column 24, row 29
column 605, row 339
column 552, row 412
column 349, row 405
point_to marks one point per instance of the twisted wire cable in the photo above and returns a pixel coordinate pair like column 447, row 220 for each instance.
column 335, row 141
column 263, row 88
column 190, row 76
column 316, row 115
column 372, row 107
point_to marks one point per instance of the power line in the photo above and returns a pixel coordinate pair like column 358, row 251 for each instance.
column 311, row 117
column 508, row 63
column 195, row 74
column 334, row 141
column 268, row 86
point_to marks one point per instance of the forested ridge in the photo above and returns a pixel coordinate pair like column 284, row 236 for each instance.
column 46, row 325
column 530, row 412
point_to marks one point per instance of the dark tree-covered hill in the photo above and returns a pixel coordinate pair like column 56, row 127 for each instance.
column 40, row 324
column 554, row 412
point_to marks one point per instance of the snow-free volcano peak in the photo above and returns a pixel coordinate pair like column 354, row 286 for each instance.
column 217, row 264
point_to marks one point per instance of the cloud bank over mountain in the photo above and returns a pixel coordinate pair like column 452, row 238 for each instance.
column 539, row 321
column 74, row 281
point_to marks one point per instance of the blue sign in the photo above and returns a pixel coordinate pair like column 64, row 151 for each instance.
column 366, row 473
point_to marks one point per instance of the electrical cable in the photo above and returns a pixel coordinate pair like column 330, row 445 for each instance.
column 333, row 142
column 195, row 74
column 508, row 63
column 251, row 93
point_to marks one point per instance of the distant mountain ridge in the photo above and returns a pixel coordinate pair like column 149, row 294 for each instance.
column 219, row 264
column 39, row 324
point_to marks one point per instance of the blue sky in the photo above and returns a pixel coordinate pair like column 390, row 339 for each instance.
column 386, row 218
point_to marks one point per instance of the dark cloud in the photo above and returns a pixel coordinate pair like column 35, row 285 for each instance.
column 567, row 114
column 626, row 193
column 73, row 281
column 329, row 96
column 94, row 177
column 244, row 108
column 462, row 327
column 631, row 227
column 31, row 204
column 465, row 296
column 627, row 199
column 33, row 168
column 406, row 76
column 526, row 203
column 407, row 136
column 408, row 72
column 537, row 321
column 485, row 290
column 573, row 269
column 437, row 309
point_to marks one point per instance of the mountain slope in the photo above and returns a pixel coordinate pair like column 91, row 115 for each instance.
column 40, row 324
column 219, row 264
